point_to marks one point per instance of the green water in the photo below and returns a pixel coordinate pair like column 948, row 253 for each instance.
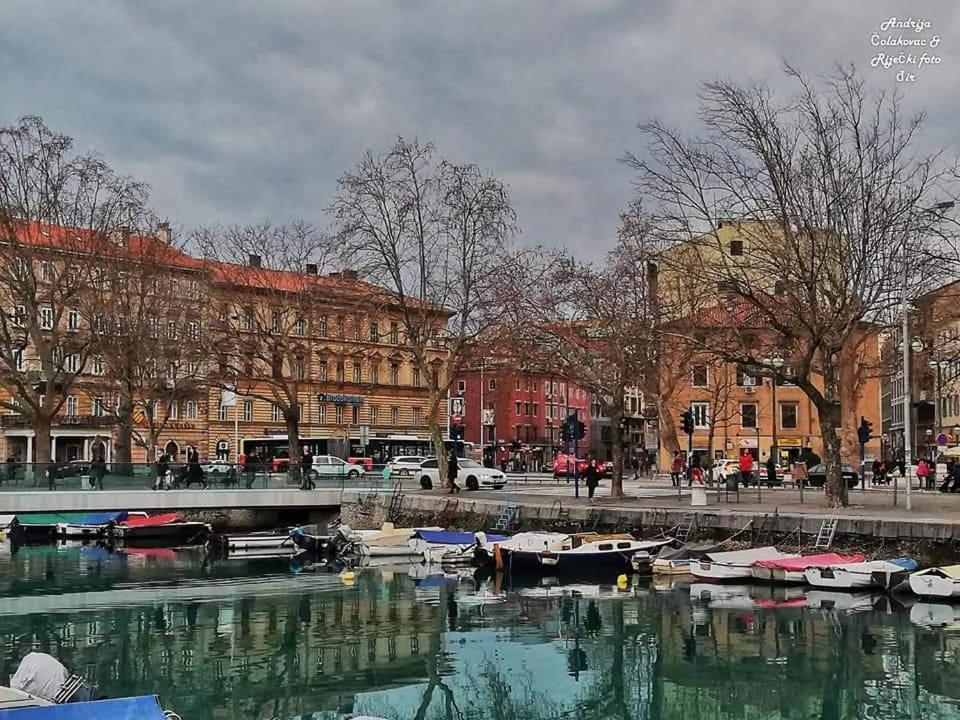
column 249, row 639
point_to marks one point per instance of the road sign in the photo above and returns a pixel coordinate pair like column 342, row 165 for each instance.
column 228, row 396
column 942, row 439
column 488, row 417
column 456, row 419
column 456, row 406
column 222, row 446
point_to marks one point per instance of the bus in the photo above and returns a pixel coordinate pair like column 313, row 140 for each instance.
column 276, row 448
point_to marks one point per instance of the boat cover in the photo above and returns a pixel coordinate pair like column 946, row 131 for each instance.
column 39, row 674
column 153, row 521
column 49, row 518
column 748, row 557
column 145, row 707
column 449, row 537
column 100, row 518
column 802, row 563
column 950, row 571
column 905, row 563
column 882, row 566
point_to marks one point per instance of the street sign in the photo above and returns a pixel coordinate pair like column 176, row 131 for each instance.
column 942, row 439
column 456, row 406
column 488, row 417
column 222, row 446
column 456, row 419
column 228, row 396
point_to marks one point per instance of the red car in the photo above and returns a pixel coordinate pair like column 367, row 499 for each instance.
column 367, row 462
column 563, row 466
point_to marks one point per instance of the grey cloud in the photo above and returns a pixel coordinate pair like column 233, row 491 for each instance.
column 235, row 111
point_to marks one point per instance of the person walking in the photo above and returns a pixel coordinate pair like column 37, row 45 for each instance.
column 771, row 471
column 695, row 469
column 592, row 478
column 923, row 474
column 746, row 466
column 163, row 467
column 677, row 468
column 98, row 466
column 452, row 469
column 194, row 471
column 306, row 470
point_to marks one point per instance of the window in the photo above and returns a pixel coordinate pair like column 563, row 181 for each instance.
column 461, row 386
column 374, row 374
column 416, row 377
column 338, row 414
column 248, row 410
column 536, row 407
column 46, row 318
column 322, row 413
column 193, row 289
column 300, row 368
column 374, row 331
column 519, row 407
column 322, row 370
column 748, row 415
column 492, row 385
column 171, row 329
column 341, row 328
column 374, row 415
column 276, row 414
column 72, row 405
column 355, row 414
column 72, row 364
column 701, row 414
column 699, row 376
column 394, row 374
column 98, row 407
column 153, row 325
column 518, row 383
column 357, row 335
column 276, row 321
column 744, row 379
column 357, row 372
column 193, row 330
column 736, row 248
column 786, row 373
column 340, row 372
column 191, row 409
column 173, row 410
column 46, row 272
column 193, row 369
column 415, row 416
column 788, row 415
column 19, row 316
column 322, row 327
column 73, row 320
column 18, row 362
column 301, row 326
column 394, row 334
column 222, row 412
column 394, row 416
column 248, row 319
column 526, row 409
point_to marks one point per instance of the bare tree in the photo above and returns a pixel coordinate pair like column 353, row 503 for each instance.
column 827, row 193
column 267, row 278
column 145, row 326
column 437, row 237
column 62, row 216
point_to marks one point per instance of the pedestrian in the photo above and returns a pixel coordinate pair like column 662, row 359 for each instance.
column 194, row 471
column 452, row 468
column 306, row 470
column 771, row 471
column 923, row 473
column 746, row 466
column 163, row 467
column 695, row 469
column 250, row 469
column 52, row 475
column 875, row 478
column 677, row 468
column 592, row 478
column 98, row 465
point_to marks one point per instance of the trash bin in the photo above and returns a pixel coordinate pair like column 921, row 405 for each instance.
column 84, row 482
column 733, row 482
column 698, row 496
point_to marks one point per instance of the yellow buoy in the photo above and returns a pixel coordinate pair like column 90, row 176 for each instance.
column 622, row 581
column 347, row 576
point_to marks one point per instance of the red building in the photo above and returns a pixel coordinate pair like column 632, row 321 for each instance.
column 504, row 406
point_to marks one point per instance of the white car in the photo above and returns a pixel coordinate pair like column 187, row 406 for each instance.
column 470, row 473
column 326, row 465
column 405, row 464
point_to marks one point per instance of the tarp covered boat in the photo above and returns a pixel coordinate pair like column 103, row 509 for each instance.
column 166, row 528
column 145, row 707
column 736, row 565
column 882, row 574
column 791, row 569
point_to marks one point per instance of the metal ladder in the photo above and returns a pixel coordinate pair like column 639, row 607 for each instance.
column 448, row 515
column 828, row 528
column 507, row 518
column 396, row 502
column 686, row 526
column 68, row 689
column 561, row 517
column 367, row 505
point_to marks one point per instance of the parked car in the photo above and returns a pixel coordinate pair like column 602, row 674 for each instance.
column 327, row 465
column 563, row 466
column 405, row 464
column 74, row 468
column 724, row 468
column 472, row 474
column 606, row 469
column 817, row 475
column 218, row 471
column 366, row 462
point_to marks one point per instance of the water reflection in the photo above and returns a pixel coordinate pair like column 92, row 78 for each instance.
column 249, row 640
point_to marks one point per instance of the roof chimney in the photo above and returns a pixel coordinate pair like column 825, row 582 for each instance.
column 349, row 274
column 312, row 269
column 163, row 232
column 254, row 261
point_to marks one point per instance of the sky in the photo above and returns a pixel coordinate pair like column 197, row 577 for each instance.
column 237, row 111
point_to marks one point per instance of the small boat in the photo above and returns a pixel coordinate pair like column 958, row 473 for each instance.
column 881, row 574
column 790, row 569
column 724, row 566
column 28, row 527
column 938, row 582
column 253, row 541
column 438, row 546
column 662, row 566
column 486, row 552
column 166, row 527
column 388, row 541
column 5, row 522
column 92, row 525
column 583, row 553
column 307, row 538
column 146, row 707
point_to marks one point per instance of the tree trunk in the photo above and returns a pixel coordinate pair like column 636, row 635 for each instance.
column 667, row 427
column 41, row 439
column 829, row 425
column 292, row 418
column 123, row 446
column 616, row 436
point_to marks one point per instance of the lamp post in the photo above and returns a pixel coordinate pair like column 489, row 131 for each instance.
column 938, row 366
column 777, row 363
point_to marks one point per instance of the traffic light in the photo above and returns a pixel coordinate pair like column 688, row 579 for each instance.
column 686, row 421
column 865, row 431
column 581, row 430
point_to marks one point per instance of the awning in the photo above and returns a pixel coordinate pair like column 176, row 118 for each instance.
column 135, row 708
column 153, row 521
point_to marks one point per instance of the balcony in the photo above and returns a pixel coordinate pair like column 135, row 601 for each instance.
column 91, row 421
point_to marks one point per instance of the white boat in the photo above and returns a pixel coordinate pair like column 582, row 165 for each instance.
column 941, row 616
column 388, row 541
column 93, row 525
column 723, row 566
column 444, row 546
column 11, row 699
column 671, row 567
column 255, row 541
column 939, row 582
column 882, row 574
column 791, row 569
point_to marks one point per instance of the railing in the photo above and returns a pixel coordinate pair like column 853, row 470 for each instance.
column 96, row 421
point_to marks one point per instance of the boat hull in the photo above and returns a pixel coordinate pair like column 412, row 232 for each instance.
column 568, row 561
column 934, row 586
column 187, row 533
column 264, row 541
column 711, row 571
column 671, row 567
column 840, row 578
column 80, row 532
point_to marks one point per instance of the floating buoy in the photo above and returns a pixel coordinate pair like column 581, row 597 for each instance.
column 622, row 582
column 348, row 576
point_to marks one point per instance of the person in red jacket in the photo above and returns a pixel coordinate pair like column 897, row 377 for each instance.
column 746, row 466
column 677, row 468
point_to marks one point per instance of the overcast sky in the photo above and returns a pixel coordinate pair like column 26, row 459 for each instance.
column 237, row 111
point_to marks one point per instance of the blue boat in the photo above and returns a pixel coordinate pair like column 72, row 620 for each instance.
column 145, row 707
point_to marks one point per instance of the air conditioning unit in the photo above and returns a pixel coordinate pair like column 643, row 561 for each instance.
column 750, row 389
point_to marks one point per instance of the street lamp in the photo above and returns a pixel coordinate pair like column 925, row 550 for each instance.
column 939, row 366
column 777, row 363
